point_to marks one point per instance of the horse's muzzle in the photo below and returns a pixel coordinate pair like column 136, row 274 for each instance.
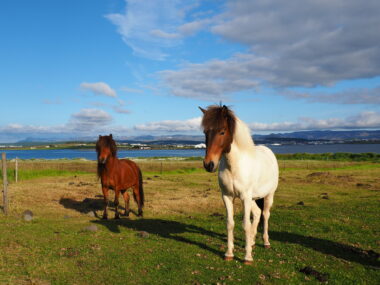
column 209, row 166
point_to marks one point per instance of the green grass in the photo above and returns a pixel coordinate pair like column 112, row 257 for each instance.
column 184, row 236
column 339, row 156
column 32, row 174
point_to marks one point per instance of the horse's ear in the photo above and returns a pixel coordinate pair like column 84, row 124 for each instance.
column 225, row 110
column 111, row 136
column 100, row 136
column 203, row 110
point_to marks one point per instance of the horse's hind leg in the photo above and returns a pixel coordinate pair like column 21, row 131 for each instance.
column 116, row 202
column 126, row 200
column 136, row 195
column 105, row 197
column 268, row 201
column 256, row 212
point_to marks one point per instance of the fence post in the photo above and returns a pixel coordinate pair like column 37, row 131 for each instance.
column 5, row 183
column 16, row 170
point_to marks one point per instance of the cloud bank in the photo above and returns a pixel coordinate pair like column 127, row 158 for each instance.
column 305, row 43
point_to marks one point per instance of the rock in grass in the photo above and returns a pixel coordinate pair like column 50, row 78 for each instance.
column 91, row 228
column 27, row 215
column 143, row 234
column 301, row 203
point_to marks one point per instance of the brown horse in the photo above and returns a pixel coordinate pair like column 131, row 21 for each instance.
column 118, row 175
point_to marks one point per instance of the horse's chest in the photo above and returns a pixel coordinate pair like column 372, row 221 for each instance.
column 230, row 185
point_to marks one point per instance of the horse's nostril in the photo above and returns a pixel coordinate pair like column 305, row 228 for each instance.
column 208, row 166
column 211, row 166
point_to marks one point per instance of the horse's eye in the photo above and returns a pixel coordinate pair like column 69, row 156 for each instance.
column 222, row 133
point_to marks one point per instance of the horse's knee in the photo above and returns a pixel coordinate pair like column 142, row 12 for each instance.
column 230, row 225
column 266, row 215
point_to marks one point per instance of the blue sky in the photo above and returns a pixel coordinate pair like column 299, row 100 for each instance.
column 73, row 68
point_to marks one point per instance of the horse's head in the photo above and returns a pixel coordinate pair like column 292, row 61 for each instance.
column 105, row 148
column 219, row 126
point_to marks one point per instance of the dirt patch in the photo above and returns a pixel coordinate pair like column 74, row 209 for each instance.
column 363, row 185
column 328, row 178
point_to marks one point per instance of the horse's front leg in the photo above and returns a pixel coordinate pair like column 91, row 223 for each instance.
column 247, row 225
column 105, row 197
column 116, row 202
column 228, row 202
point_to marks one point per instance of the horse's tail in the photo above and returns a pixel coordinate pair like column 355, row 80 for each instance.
column 141, row 190
column 260, row 204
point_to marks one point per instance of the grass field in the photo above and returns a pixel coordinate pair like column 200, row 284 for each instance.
column 325, row 216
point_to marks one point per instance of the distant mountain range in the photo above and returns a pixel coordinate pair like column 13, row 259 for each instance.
column 294, row 137
column 329, row 135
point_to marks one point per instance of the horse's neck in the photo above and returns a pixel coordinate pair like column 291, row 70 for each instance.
column 110, row 164
column 111, row 161
column 241, row 144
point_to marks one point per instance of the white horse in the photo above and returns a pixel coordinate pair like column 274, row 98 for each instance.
column 246, row 171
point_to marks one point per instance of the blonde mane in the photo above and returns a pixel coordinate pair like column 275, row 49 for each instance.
column 242, row 136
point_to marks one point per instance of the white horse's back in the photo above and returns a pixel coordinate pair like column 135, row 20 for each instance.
column 267, row 178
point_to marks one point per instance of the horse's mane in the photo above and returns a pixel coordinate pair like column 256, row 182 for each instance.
column 105, row 141
column 214, row 117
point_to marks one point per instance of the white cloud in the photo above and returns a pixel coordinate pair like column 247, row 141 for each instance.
column 191, row 125
column 87, row 120
column 211, row 81
column 149, row 28
column 121, row 110
column 91, row 122
column 304, row 43
column 99, row 88
column 350, row 96
column 364, row 120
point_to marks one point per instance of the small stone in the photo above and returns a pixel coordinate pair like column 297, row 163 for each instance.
column 91, row 228
column 91, row 214
column 27, row 215
column 301, row 203
column 143, row 234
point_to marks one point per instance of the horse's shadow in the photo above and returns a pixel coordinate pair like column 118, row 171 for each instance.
column 88, row 205
column 174, row 230
column 339, row 250
column 167, row 229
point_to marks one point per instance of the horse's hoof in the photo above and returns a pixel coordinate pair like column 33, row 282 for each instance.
column 117, row 217
column 267, row 246
column 228, row 258
column 248, row 262
column 104, row 218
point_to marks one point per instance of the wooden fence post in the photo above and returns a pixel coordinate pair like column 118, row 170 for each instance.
column 5, row 183
column 16, row 170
